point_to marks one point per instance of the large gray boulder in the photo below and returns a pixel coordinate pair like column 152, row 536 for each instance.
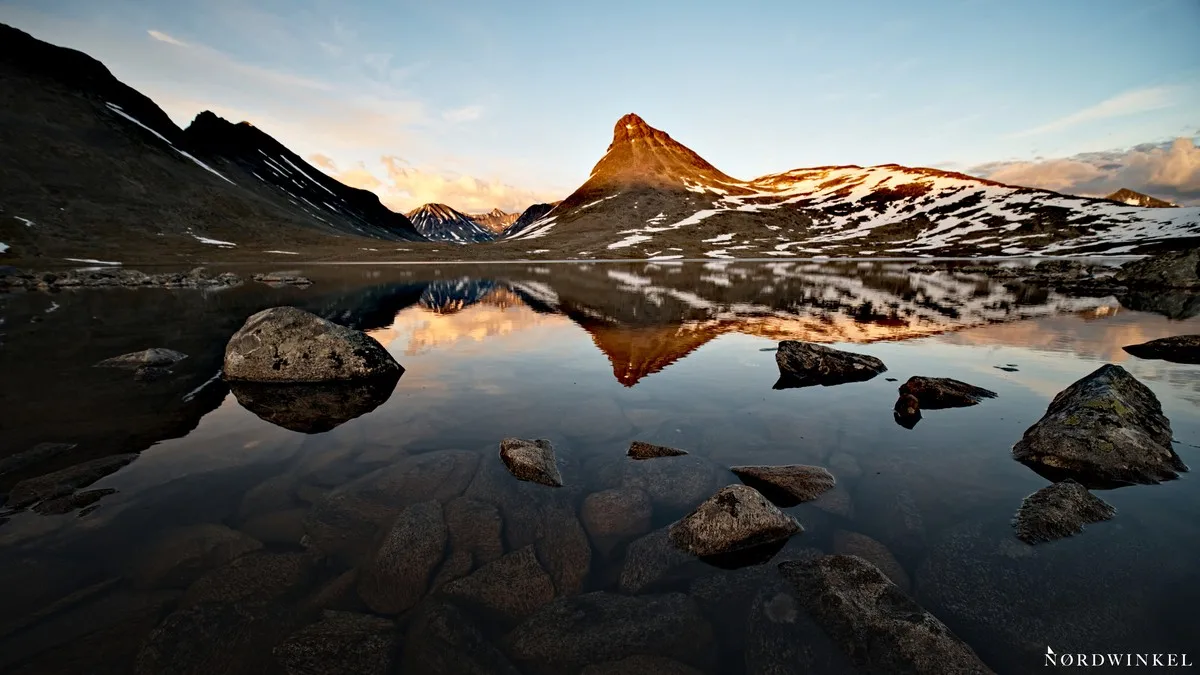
column 1177, row 269
column 1106, row 428
column 804, row 364
column 286, row 344
column 878, row 626
column 737, row 517
column 1176, row 349
column 1059, row 510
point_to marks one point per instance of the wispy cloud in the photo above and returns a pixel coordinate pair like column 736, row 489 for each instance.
column 1121, row 105
column 465, row 114
column 163, row 37
column 1166, row 170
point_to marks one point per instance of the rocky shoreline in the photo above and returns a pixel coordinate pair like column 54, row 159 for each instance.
column 12, row 279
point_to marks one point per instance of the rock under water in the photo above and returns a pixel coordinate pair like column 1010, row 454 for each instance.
column 1059, row 510
column 314, row 408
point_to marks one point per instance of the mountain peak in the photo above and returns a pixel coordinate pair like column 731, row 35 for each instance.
column 631, row 127
column 1132, row 198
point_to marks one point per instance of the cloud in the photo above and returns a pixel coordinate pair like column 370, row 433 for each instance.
column 465, row 114
column 404, row 187
column 1168, row 170
column 163, row 37
column 1121, row 105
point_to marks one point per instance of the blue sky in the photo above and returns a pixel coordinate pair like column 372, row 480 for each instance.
column 479, row 102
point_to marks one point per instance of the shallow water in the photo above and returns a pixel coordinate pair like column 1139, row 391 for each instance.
column 153, row 577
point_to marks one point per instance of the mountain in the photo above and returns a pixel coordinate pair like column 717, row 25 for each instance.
column 495, row 221
column 1127, row 196
column 94, row 169
column 650, row 196
column 528, row 217
column 438, row 222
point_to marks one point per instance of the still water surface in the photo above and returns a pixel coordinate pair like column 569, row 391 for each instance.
column 231, row 532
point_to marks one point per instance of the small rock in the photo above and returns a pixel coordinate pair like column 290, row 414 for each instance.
column 737, row 517
column 1176, row 349
column 617, row 513
column 151, row 374
column 62, row 483
column 182, row 555
column 641, row 664
column 1059, row 510
column 933, row 393
column 1105, row 428
column 1007, row 369
column 877, row 625
column 570, row 633
column 277, row 279
column 803, row 364
column 853, row 543
column 342, row 642
column 286, row 344
column 787, row 485
column 398, row 575
column 155, row 357
column 642, row 450
column 532, row 461
column 511, row 587
column 907, row 411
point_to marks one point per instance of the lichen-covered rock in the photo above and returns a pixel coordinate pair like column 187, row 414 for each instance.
column 341, row 642
column 803, row 364
column 643, row 450
column 1105, row 428
column 570, row 633
column 1059, row 510
column 933, row 393
column 789, row 484
column 155, row 357
column 532, row 461
column 1177, row 269
column 877, row 625
column 737, row 517
column 398, row 575
column 286, row 344
column 1176, row 349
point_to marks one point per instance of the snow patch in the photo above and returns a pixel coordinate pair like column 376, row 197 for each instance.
column 91, row 261
column 630, row 241
column 202, row 165
column 283, row 252
column 213, row 242
column 26, row 221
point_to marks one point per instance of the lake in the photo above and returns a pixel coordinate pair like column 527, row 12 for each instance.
column 242, row 536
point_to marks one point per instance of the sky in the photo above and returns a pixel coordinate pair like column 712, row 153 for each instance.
column 481, row 104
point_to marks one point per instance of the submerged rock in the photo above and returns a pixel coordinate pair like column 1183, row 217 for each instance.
column 642, row 450
column 803, row 364
column 570, row 633
column 286, row 344
column 907, row 411
column 62, row 483
column 39, row 454
column 213, row 638
column 781, row 638
column 617, row 513
column 1177, row 269
column 78, row 500
column 314, row 408
column 510, row 588
column 641, row 664
column 737, row 517
column 442, row 640
column 398, row 575
column 155, row 357
column 476, row 538
column 675, row 483
column 787, row 485
column 182, row 555
column 151, row 374
column 933, row 393
column 651, row 559
column 532, row 461
column 1106, row 428
column 1059, row 510
column 1176, row 349
column 255, row 576
column 854, row 543
column 877, row 625
column 341, row 642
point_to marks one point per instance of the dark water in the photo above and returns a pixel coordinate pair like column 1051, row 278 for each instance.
column 229, row 535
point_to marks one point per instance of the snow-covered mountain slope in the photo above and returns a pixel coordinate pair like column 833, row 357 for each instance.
column 650, row 197
column 439, row 222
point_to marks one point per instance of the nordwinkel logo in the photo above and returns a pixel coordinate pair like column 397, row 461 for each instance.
column 1127, row 660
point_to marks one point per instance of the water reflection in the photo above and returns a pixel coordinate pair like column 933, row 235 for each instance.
column 592, row 358
column 314, row 408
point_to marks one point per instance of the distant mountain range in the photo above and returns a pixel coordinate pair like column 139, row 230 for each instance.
column 95, row 171
column 652, row 197
column 1127, row 196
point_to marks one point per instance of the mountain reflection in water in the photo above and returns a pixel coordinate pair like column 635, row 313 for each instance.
column 591, row 357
